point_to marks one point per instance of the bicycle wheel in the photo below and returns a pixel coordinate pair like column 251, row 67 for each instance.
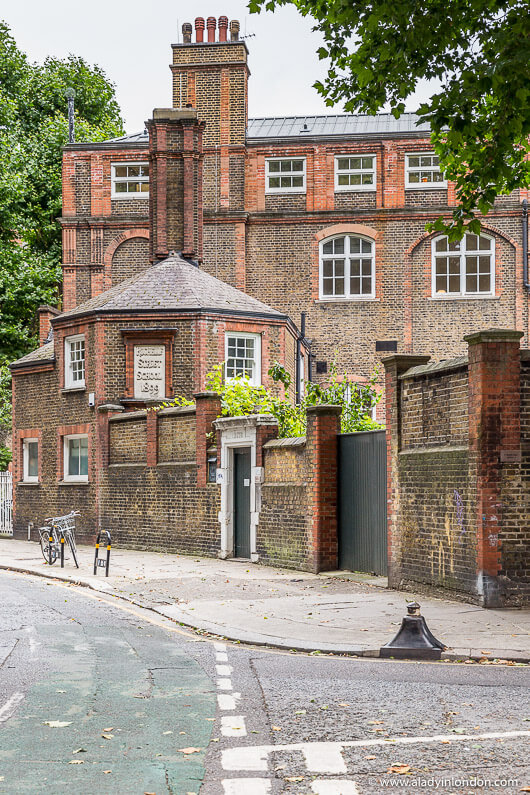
column 46, row 547
column 73, row 548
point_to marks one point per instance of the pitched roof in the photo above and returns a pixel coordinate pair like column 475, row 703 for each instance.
column 43, row 354
column 345, row 124
column 173, row 285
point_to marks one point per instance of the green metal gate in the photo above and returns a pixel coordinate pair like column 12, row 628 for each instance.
column 362, row 501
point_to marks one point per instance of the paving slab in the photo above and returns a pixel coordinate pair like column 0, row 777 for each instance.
column 351, row 614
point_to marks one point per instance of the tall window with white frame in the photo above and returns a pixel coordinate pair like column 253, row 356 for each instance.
column 465, row 268
column 347, row 268
column 74, row 361
column 30, row 461
column 76, row 458
column 243, row 356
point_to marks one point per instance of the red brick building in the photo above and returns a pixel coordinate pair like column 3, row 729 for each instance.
column 205, row 238
column 323, row 215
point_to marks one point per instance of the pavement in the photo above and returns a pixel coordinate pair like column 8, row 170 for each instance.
column 337, row 612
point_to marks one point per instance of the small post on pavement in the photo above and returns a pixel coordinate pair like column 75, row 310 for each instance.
column 50, row 547
column 62, row 550
column 102, row 562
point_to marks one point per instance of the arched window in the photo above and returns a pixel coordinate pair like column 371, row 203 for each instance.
column 463, row 268
column 347, row 267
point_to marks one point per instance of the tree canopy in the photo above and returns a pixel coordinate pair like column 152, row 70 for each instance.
column 33, row 130
column 477, row 51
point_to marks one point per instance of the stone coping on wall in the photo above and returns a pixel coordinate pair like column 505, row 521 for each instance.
column 292, row 441
column 458, row 363
column 172, row 410
column 140, row 414
column 247, row 421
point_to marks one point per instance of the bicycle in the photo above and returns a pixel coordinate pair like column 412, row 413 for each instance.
column 60, row 527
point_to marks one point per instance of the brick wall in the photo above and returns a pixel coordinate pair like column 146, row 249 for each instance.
column 458, row 462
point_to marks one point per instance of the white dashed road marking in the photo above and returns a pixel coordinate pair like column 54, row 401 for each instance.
column 245, row 786
column 221, row 657
column 233, row 726
column 223, row 670
column 228, row 701
column 219, row 646
column 10, row 706
column 334, row 787
column 324, row 757
column 224, row 684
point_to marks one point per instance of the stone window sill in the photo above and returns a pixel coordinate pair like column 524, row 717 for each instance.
column 73, row 483
column 29, row 483
column 73, row 389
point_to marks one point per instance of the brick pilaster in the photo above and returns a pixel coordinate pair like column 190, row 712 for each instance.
column 208, row 409
column 394, row 366
column 494, row 397
column 323, row 426
column 264, row 434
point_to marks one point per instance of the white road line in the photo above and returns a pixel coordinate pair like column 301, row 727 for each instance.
column 233, row 726
column 228, row 701
column 255, row 758
column 223, row 670
column 10, row 706
column 244, row 786
column 334, row 787
column 224, row 684
column 219, row 646
column 324, row 758
column 221, row 657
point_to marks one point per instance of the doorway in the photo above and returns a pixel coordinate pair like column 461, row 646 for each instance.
column 242, row 502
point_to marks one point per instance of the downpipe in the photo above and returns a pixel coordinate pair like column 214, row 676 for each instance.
column 525, row 245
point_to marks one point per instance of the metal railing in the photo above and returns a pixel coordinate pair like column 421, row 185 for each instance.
column 6, row 504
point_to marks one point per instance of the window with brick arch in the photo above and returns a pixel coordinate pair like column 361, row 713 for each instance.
column 347, row 268
column 465, row 268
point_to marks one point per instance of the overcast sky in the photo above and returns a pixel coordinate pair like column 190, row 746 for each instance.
column 131, row 41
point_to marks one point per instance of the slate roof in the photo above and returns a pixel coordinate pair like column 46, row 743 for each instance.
column 345, row 124
column 173, row 285
column 43, row 354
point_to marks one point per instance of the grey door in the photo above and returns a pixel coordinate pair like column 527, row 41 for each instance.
column 242, row 502
column 362, row 502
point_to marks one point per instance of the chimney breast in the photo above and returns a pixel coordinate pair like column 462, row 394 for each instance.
column 234, row 30
column 186, row 33
column 199, row 29
column 211, row 24
column 223, row 28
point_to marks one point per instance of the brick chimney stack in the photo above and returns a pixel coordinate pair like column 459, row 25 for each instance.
column 199, row 29
column 234, row 30
column 186, row 33
column 175, row 191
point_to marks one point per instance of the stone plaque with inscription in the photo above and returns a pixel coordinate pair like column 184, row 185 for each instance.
column 149, row 371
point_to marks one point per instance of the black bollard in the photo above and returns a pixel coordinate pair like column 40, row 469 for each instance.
column 414, row 641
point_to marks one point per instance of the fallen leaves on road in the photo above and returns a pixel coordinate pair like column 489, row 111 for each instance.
column 170, row 732
column 190, row 750
column 76, row 762
column 107, row 736
column 401, row 770
column 276, row 728
column 107, row 771
column 110, row 728
column 370, row 757
column 344, row 704
column 294, row 778
column 79, row 751
column 57, row 724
